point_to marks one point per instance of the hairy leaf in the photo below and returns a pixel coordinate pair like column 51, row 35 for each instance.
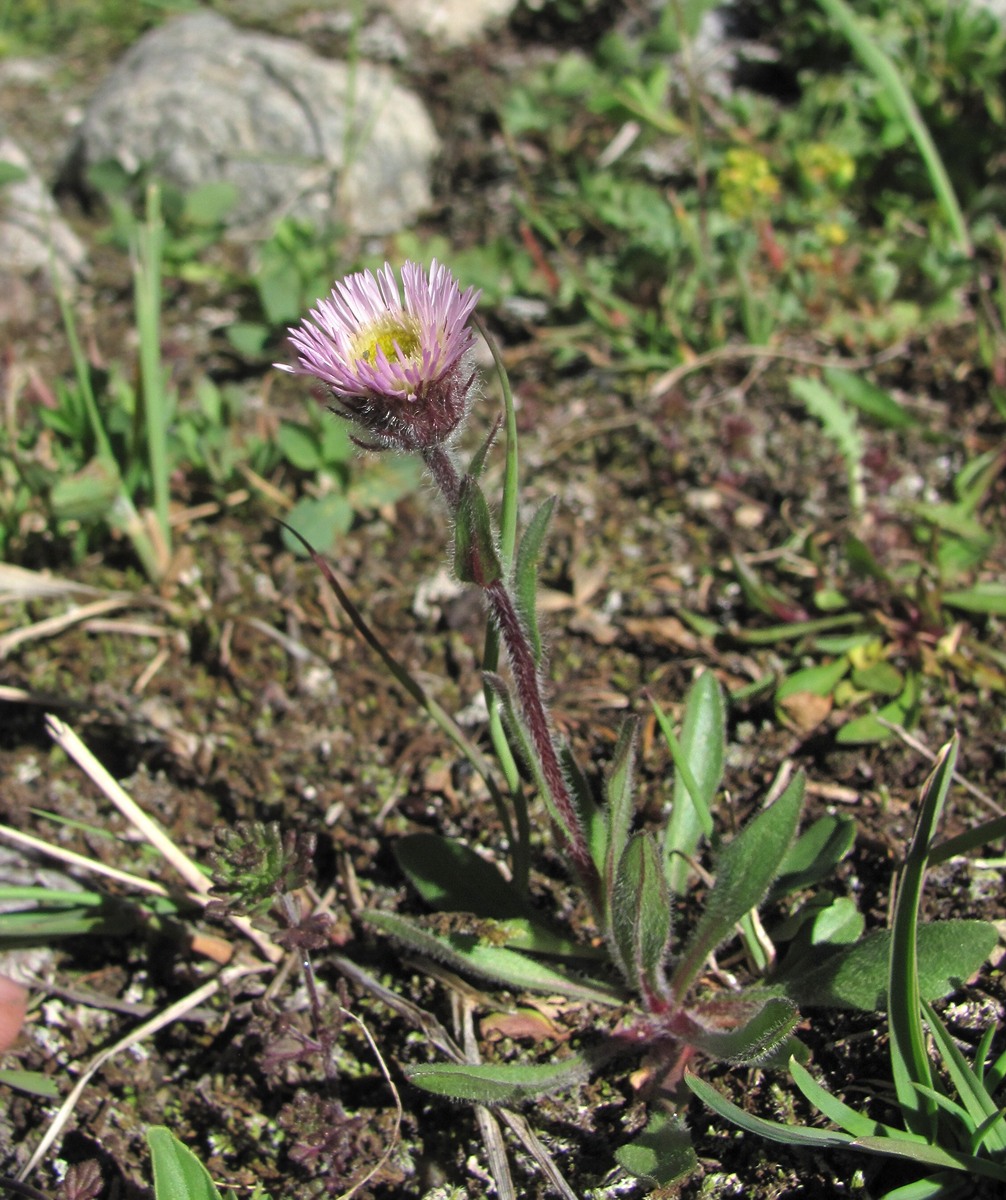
column 475, row 557
column 760, row 1035
column 464, row 952
column 662, row 1154
column 506, row 1083
column 526, row 571
column 949, row 953
column 641, row 915
column 745, row 870
column 618, row 810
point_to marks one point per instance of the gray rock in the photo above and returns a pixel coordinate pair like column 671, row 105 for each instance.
column 450, row 22
column 34, row 238
column 198, row 100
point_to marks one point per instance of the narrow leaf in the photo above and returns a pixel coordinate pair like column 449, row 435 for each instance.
column 618, row 810
column 526, row 571
column 927, row 1154
column 507, row 1083
column 478, row 463
column 464, row 952
column 979, row 1104
column 984, row 597
column 870, row 399
column 698, row 763
column 34, row 1083
column 475, row 557
column 815, row 854
column 837, row 1111
column 909, row 1057
column 790, row 1135
column 641, row 915
column 745, row 870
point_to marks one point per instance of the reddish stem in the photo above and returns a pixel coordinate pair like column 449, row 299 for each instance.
column 527, row 686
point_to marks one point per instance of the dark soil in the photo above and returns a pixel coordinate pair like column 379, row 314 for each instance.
column 239, row 691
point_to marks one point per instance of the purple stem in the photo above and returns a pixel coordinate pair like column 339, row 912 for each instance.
column 528, row 688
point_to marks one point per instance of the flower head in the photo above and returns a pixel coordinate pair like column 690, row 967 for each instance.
column 397, row 368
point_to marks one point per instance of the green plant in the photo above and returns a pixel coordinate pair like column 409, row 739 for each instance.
column 879, row 632
column 952, row 1126
column 178, row 1174
column 398, row 372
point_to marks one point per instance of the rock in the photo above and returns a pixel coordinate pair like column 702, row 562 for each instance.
column 198, row 100
column 34, row 238
column 450, row 22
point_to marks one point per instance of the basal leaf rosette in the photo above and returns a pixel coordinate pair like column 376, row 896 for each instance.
column 394, row 356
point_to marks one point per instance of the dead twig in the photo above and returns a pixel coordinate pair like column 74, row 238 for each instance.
column 67, row 740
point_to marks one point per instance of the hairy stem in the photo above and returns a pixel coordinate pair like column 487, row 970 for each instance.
column 528, row 689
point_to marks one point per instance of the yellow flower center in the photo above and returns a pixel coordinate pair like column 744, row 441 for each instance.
column 398, row 337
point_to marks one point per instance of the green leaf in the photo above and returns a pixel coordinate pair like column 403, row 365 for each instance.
column 821, row 923
column 110, row 918
column 33, row 1083
column 506, row 1083
column 526, row 571
column 949, row 953
column 248, row 338
column 475, row 557
column 870, row 399
column 814, row 855
column 641, row 915
column 745, row 870
column 619, row 807
column 453, row 878
column 790, row 1135
column 902, row 711
column 839, row 423
column 381, row 480
column 320, row 522
column 818, row 680
column 909, row 1056
column 478, row 462
column 754, row 1041
column 796, row 629
column 464, row 952
column 882, row 677
column 11, row 173
column 87, row 495
column 662, row 1154
column 178, row 1174
column 698, row 762
column 299, row 446
column 985, row 597
column 927, row 1154
column 210, row 203
column 837, row 1111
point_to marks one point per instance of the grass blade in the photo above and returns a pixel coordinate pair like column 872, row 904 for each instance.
column 889, row 77
column 909, row 1058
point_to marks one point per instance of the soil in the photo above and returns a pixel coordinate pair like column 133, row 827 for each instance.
column 238, row 690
